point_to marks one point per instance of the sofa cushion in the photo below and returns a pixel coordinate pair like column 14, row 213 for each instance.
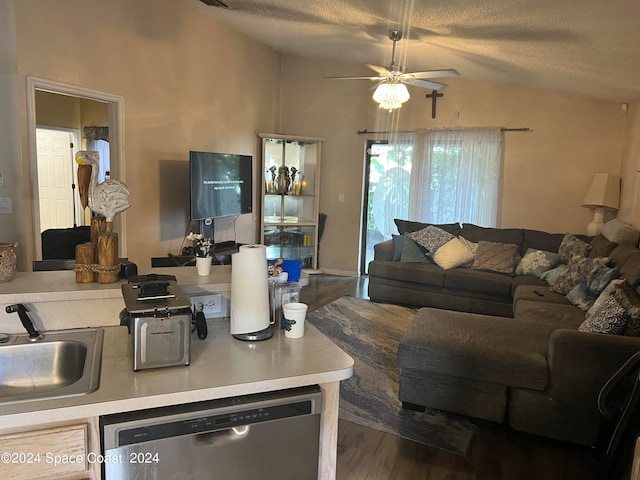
column 454, row 253
column 601, row 247
column 571, row 246
column 407, row 226
column 412, row 252
column 477, row 347
column 492, row 283
column 539, row 294
column 563, row 315
column 496, row 257
column 536, row 262
column 539, row 240
column 630, row 271
column 476, row 233
column 621, row 254
column 431, row 237
column 422, row 273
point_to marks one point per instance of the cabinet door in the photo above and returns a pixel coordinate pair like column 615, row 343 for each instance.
column 34, row 454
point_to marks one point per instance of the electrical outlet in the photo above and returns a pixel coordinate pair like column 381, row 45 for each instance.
column 211, row 303
column 5, row 205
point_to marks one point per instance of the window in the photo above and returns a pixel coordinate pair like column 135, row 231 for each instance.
column 458, row 177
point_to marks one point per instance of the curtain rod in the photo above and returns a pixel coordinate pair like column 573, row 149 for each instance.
column 367, row 132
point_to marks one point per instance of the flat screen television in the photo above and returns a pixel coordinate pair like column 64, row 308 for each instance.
column 221, row 184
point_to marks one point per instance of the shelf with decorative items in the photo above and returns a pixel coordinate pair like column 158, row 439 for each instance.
column 289, row 206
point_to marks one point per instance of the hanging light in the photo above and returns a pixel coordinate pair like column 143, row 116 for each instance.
column 391, row 95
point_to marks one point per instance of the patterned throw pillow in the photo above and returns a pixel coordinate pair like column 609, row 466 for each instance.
column 577, row 270
column 587, row 291
column 571, row 246
column 608, row 318
column 536, row 262
column 551, row 276
column 608, row 290
column 431, row 238
column 631, row 304
column 496, row 257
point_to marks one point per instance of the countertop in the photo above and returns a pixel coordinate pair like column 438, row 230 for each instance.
column 29, row 287
column 221, row 366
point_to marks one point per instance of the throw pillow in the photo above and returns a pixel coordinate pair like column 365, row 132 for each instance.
column 608, row 290
column 572, row 245
column 398, row 243
column 453, row 254
column 536, row 262
column 620, row 232
column 551, row 276
column 577, row 270
column 412, row 252
column 496, row 257
column 608, row 318
column 431, row 238
column 587, row 291
column 631, row 303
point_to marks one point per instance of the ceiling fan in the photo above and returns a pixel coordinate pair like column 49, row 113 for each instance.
column 391, row 91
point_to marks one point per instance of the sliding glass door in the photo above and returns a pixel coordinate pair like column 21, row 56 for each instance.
column 387, row 180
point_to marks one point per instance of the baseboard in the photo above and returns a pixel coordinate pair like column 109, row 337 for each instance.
column 342, row 273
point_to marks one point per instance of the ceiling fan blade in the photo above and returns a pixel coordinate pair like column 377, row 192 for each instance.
column 424, row 84
column 352, row 78
column 379, row 70
column 434, row 73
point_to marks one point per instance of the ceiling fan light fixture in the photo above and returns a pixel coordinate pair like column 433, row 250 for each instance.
column 391, row 95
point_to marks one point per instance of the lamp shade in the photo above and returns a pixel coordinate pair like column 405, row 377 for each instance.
column 391, row 95
column 604, row 192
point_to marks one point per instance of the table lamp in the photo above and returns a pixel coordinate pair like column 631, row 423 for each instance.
column 603, row 194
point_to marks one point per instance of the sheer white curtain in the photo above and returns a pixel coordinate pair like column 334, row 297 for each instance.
column 392, row 194
column 456, row 176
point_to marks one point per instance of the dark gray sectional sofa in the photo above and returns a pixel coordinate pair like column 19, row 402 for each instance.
column 504, row 348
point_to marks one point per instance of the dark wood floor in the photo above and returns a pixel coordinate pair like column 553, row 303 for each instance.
column 497, row 453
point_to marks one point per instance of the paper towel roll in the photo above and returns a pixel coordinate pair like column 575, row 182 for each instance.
column 249, row 290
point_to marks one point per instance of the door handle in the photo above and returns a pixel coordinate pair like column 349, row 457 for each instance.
column 223, row 437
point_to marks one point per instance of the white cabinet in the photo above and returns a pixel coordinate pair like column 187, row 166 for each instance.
column 290, row 188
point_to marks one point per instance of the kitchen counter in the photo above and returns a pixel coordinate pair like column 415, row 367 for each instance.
column 221, row 367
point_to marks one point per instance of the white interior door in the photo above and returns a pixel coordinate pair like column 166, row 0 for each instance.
column 56, row 178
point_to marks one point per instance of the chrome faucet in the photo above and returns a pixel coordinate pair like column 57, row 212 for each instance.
column 34, row 335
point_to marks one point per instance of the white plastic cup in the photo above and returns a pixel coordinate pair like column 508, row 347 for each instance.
column 294, row 315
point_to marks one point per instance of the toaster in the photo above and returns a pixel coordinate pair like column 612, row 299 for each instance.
column 158, row 316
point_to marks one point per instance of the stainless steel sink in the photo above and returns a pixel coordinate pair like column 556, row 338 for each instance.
column 63, row 363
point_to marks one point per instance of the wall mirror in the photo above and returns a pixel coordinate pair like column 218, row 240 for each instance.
column 47, row 103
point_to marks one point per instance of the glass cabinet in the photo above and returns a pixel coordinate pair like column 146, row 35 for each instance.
column 290, row 187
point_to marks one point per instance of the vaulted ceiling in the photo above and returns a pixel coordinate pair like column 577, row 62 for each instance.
column 586, row 47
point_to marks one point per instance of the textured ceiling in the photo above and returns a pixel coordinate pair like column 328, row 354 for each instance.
column 586, row 47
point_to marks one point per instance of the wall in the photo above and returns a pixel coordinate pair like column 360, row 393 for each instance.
column 546, row 171
column 188, row 82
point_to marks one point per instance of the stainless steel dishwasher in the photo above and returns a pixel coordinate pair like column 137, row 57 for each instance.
column 272, row 435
